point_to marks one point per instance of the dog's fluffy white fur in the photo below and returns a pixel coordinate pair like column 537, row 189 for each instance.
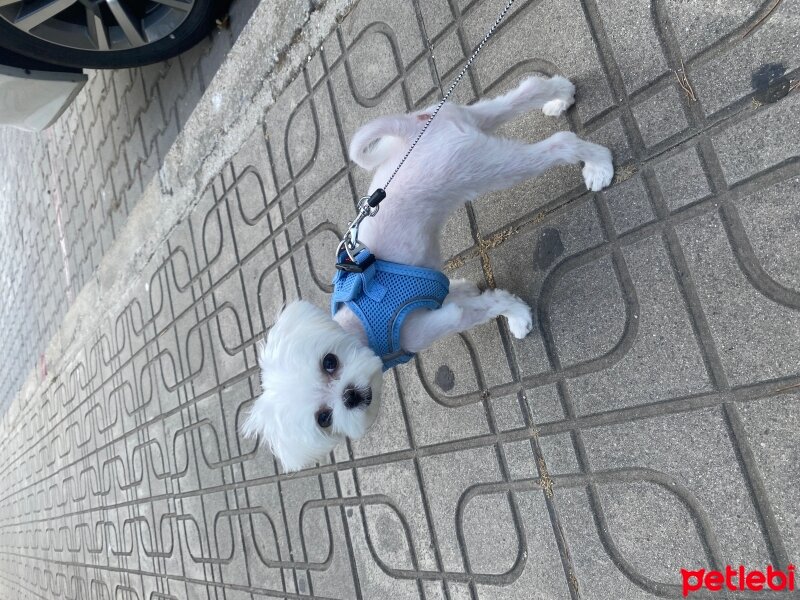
column 457, row 160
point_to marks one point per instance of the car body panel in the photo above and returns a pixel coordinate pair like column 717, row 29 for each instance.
column 32, row 100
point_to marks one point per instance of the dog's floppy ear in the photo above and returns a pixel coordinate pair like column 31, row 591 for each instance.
column 379, row 139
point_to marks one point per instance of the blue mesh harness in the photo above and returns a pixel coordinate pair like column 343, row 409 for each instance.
column 382, row 294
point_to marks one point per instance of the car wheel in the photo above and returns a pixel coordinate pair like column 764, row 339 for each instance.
column 104, row 34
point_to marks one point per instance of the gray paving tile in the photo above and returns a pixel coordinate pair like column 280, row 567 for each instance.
column 629, row 205
column 657, row 326
column 755, row 335
column 754, row 145
column 661, row 116
column 770, row 237
column 682, row 179
column 647, row 424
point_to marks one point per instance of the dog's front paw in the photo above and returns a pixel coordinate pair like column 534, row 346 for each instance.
column 555, row 108
column 562, row 94
column 598, row 175
column 520, row 319
column 598, row 170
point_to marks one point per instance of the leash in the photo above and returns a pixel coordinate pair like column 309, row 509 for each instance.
column 368, row 205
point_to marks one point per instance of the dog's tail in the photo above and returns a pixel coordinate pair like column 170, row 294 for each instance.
column 380, row 139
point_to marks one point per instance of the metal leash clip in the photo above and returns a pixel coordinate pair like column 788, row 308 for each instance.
column 367, row 207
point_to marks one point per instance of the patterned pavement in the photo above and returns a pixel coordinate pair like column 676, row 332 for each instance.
column 66, row 193
column 650, row 422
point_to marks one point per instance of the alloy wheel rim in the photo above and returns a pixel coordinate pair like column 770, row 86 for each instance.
column 99, row 25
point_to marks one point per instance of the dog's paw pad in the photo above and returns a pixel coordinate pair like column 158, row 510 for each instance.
column 520, row 322
column 554, row 108
column 598, row 175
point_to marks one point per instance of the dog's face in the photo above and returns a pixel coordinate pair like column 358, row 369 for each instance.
column 319, row 385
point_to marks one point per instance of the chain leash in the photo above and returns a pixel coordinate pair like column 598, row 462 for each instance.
column 368, row 205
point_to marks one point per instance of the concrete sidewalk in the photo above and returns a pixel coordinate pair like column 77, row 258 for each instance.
column 66, row 193
column 648, row 424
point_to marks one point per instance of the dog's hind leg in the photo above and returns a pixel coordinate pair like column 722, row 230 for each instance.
column 498, row 164
column 553, row 96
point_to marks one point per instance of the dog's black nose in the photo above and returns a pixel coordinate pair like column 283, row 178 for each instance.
column 354, row 397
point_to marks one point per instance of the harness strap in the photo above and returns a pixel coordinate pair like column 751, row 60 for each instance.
column 382, row 294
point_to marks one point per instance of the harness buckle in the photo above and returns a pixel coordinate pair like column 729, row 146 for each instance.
column 350, row 266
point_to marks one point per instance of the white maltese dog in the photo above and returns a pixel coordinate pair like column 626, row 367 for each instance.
column 321, row 375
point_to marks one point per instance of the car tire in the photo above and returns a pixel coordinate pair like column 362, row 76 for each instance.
column 196, row 25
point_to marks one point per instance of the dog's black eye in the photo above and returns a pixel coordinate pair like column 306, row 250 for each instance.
column 330, row 362
column 325, row 418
